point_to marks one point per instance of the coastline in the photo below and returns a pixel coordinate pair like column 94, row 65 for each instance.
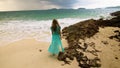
column 30, row 53
column 90, row 43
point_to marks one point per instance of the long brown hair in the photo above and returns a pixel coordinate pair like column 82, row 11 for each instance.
column 54, row 24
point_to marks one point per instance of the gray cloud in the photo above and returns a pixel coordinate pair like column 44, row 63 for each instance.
column 35, row 4
column 97, row 3
column 63, row 3
column 48, row 4
column 8, row 5
column 60, row 3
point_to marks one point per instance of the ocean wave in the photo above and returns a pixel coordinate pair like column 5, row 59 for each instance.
column 40, row 30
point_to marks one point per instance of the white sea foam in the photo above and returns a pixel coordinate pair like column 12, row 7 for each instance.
column 40, row 30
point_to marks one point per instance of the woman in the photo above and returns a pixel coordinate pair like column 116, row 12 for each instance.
column 56, row 44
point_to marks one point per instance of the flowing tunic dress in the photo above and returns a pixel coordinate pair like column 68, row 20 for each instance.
column 56, row 44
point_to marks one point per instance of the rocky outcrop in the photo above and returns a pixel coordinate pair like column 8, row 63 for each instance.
column 114, row 22
column 82, row 30
column 116, row 13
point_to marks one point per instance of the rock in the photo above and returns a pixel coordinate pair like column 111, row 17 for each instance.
column 61, row 56
column 115, row 13
column 116, row 57
column 40, row 50
column 116, row 31
column 104, row 42
column 116, row 36
column 82, row 30
column 114, row 22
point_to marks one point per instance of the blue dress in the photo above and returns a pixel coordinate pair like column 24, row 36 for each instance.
column 56, row 44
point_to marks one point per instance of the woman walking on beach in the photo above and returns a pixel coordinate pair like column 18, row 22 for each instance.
column 56, row 44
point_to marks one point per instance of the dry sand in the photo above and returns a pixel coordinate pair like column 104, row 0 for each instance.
column 110, row 48
column 26, row 53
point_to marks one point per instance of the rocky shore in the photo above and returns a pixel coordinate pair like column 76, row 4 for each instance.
column 77, row 35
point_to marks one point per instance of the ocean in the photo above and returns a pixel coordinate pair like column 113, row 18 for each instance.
column 16, row 25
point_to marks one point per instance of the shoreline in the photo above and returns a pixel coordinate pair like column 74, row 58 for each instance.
column 106, row 32
column 30, row 53
column 90, row 43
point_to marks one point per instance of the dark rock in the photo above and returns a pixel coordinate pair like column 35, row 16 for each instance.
column 93, row 52
column 82, row 30
column 116, row 36
column 104, row 42
column 61, row 56
column 111, row 37
column 40, row 50
column 114, row 22
column 116, row 31
column 116, row 13
column 116, row 57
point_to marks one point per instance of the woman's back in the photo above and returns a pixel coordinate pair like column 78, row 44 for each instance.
column 56, row 44
column 57, row 31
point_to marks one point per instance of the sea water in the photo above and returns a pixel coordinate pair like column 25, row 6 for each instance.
column 16, row 25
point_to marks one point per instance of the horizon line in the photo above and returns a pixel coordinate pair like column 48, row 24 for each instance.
column 57, row 9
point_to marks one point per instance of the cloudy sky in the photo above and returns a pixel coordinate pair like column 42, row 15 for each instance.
column 13, row 5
